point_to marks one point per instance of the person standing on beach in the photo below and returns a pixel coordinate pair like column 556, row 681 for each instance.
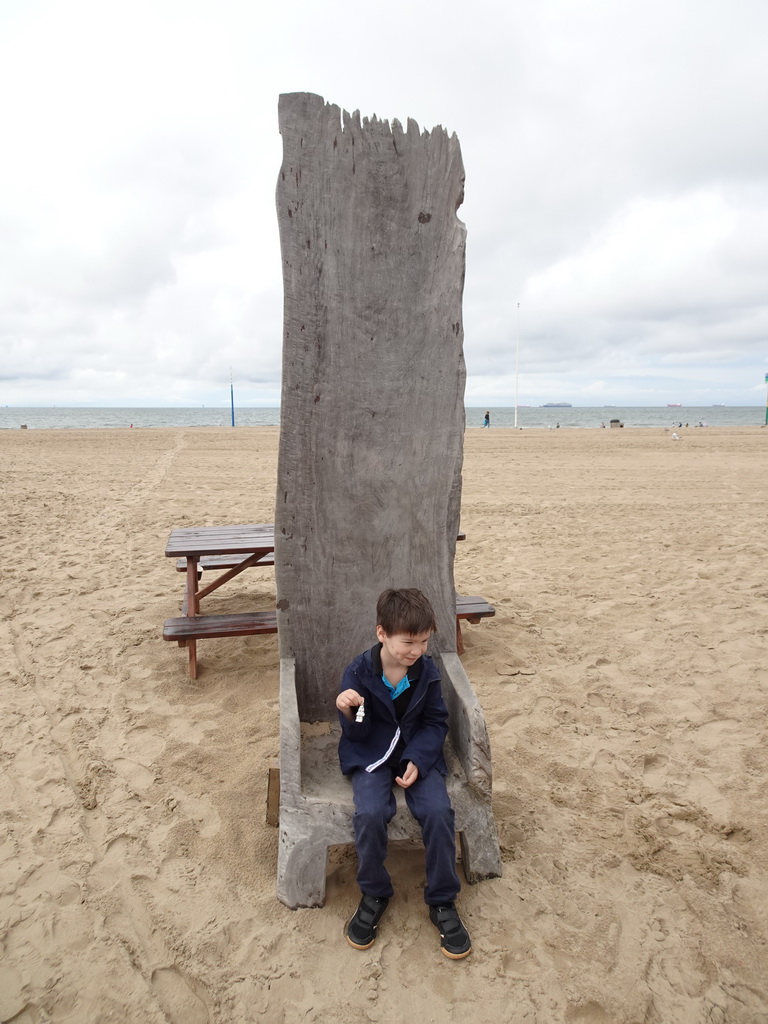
column 487, row 420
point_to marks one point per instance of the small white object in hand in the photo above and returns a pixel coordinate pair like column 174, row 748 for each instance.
column 360, row 712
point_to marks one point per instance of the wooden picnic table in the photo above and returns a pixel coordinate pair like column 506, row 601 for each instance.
column 235, row 549
column 252, row 541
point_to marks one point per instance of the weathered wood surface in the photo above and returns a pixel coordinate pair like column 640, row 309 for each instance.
column 211, row 627
column 369, row 472
column 369, row 475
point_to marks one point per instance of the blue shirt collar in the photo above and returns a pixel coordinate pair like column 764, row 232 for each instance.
column 395, row 691
column 405, row 682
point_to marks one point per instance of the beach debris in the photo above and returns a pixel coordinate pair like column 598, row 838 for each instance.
column 507, row 669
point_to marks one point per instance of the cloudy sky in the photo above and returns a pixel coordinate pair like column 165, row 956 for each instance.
column 616, row 156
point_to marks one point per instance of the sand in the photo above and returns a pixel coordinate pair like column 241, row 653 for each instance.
column 623, row 679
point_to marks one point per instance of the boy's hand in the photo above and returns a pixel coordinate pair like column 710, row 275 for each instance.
column 347, row 701
column 409, row 776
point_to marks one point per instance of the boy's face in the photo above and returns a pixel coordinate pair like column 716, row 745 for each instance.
column 401, row 649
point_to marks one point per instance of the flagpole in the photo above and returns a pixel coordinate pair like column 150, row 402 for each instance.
column 232, row 396
column 517, row 364
column 766, row 401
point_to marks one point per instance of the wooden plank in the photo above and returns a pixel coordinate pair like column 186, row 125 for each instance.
column 372, row 411
column 222, row 529
column 473, row 608
column 220, row 540
column 187, row 630
column 251, row 623
column 207, row 627
column 224, row 561
column 191, row 603
column 230, row 574
column 273, row 795
column 225, row 541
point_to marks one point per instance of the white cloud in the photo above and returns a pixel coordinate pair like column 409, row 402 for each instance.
column 617, row 187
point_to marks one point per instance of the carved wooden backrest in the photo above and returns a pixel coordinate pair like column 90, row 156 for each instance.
column 372, row 412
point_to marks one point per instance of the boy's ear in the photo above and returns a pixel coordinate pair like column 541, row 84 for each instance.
column 380, row 635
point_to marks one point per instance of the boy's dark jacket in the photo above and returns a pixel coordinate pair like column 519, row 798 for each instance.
column 423, row 727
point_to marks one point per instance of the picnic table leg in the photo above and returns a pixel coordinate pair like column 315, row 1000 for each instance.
column 192, row 609
column 459, row 638
column 192, row 602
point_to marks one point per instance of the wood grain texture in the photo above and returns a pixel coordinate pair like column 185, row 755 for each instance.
column 371, row 444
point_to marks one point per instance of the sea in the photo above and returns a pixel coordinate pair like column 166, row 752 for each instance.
column 575, row 417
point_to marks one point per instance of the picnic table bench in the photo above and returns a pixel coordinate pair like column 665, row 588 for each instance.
column 234, row 549
column 208, row 627
column 472, row 609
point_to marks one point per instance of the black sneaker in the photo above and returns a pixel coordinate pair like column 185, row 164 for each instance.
column 361, row 930
column 455, row 941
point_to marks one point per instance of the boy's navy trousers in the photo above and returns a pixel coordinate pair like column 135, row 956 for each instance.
column 428, row 802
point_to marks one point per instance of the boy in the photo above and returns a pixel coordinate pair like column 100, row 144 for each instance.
column 393, row 724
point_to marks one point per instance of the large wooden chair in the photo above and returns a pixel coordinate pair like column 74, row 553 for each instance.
column 371, row 447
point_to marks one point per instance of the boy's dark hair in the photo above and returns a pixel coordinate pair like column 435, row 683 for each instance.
column 405, row 611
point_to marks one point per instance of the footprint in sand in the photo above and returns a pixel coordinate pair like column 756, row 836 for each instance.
column 199, row 809
column 654, row 774
column 136, row 775
column 178, row 875
column 178, row 998
column 143, row 745
column 702, row 791
column 588, row 1013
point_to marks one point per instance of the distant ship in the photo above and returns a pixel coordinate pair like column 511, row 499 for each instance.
column 674, row 405
column 557, row 405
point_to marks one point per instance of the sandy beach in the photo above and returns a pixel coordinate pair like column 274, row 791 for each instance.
column 624, row 681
